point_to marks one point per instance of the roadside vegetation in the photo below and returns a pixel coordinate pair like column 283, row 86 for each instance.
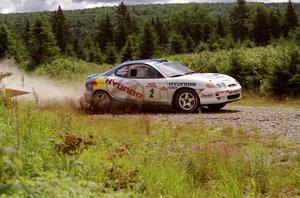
column 255, row 43
column 61, row 153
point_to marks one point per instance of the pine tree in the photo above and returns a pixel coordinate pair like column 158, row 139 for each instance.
column 275, row 26
column 176, row 44
column 260, row 29
column 125, row 25
column 238, row 20
column 8, row 45
column 127, row 51
column 42, row 45
column 148, row 42
column 111, row 54
column 160, row 30
column 26, row 34
column 105, row 32
column 290, row 19
column 60, row 29
column 4, row 40
column 189, row 44
column 206, row 32
column 220, row 31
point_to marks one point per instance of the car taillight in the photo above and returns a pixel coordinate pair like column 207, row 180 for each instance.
column 94, row 84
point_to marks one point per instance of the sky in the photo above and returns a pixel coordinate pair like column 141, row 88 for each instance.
column 12, row 6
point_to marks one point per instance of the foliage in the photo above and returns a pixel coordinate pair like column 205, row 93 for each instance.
column 290, row 19
column 238, row 20
column 260, row 29
column 270, row 70
column 148, row 42
column 151, row 159
column 105, row 32
column 42, row 46
column 198, row 26
column 60, row 29
column 9, row 47
column 69, row 68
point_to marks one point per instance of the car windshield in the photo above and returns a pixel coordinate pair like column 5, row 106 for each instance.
column 172, row 69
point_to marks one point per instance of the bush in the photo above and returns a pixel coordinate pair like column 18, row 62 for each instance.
column 63, row 67
column 268, row 70
column 284, row 76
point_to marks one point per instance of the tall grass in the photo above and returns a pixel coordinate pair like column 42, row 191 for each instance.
column 59, row 153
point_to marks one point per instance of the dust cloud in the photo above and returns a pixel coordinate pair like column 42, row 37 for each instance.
column 41, row 89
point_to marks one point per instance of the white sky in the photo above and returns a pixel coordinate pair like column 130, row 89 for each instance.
column 9, row 6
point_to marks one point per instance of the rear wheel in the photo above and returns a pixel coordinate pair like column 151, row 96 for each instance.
column 186, row 101
column 215, row 107
column 101, row 102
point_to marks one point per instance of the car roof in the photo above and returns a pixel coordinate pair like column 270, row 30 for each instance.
column 146, row 61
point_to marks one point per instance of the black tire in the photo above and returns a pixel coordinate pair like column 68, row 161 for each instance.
column 216, row 107
column 101, row 102
column 186, row 101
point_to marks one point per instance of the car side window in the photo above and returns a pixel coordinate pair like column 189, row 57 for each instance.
column 122, row 72
column 143, row 72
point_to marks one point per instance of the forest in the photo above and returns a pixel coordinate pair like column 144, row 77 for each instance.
column 110, row 35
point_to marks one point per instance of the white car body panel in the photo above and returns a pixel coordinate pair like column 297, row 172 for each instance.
column 162, row 90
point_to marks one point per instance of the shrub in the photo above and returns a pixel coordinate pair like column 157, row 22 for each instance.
column 284, row 76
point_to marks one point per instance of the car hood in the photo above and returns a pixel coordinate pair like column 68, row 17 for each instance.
column 208, row 77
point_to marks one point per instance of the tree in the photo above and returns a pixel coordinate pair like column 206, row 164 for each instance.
column 160, row 30
column 125, row 25
column 220, row 30
column 105, row 32
column 275, row 25
column 176, row 44
column 238, row 20
column 147, row 43
column 42, row 45
column 4, row 40
column 26, row 34
column 111, row 54
column 60, row 29
column 260, row 29
column 189, row 44
column 290, row 19
column 127, row 51
column 8, row 45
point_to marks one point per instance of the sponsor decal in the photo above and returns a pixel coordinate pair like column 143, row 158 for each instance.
column 175, row 85
column 163, row 88
column 101, row 84
column 151, row 85
column 207, row 95
column 123, row 88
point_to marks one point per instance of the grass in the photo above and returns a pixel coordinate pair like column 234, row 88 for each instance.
column 50, row 153
column 267, row 101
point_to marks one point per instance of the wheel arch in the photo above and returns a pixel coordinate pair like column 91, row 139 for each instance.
column 101, row 90
column 181, row 88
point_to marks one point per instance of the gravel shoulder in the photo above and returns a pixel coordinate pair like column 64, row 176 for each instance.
column 280, row 121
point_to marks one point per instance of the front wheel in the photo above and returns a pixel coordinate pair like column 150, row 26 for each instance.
column 215, row 107
column 101, row 102
column 186, row 101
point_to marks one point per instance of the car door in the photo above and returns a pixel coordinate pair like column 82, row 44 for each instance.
column 139, row 82
column 153, row 82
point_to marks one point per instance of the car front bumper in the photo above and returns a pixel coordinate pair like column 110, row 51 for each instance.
column 220, row 96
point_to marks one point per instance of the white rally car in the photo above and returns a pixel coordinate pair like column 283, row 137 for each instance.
column 160, row 82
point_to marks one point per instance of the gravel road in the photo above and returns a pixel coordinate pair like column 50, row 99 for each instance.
column 282, row 121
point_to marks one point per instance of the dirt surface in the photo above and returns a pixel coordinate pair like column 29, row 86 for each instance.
column 281, row 121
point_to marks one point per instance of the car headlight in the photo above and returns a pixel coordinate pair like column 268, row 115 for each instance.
column 211, row 85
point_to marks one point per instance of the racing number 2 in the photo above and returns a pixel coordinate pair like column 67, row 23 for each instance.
column 151, row 93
